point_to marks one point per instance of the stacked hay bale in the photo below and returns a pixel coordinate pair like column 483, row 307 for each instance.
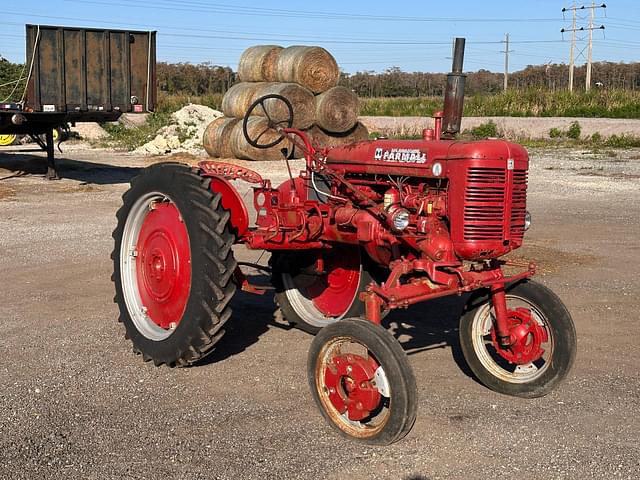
column 308, row 78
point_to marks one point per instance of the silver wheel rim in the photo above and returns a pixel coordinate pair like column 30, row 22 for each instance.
column 305, row 307
column 481, row 339
column 353, row 428
column 128, row 277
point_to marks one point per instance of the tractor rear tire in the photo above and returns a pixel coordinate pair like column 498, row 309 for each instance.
column 305, row 300
column 173, row 265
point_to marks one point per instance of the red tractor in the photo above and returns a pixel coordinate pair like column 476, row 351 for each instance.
column 364, row 229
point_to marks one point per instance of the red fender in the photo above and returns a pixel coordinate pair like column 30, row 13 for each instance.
column 232, row 201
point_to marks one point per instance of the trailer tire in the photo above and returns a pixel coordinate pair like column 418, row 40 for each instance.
column 173, row 265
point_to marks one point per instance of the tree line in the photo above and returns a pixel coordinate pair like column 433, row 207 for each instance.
column 206, row 78
column 393, row 82
column 185, row 78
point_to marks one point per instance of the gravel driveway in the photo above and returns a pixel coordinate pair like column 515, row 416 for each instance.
column 77, row 403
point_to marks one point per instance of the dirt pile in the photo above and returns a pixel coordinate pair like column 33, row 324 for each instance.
column 184, row 133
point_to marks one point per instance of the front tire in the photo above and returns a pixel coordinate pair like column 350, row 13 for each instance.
column 550, row 341
column 362, row 382
column 173, row 265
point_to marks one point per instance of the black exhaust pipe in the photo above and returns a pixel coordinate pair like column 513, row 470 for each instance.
column 454, row 93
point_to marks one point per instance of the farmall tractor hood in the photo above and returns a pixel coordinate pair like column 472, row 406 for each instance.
column 418, row 157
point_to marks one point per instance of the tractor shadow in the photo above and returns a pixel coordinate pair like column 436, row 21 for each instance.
column 430, row 325
column 13, row 165
column 252, row 317
column 422, row 327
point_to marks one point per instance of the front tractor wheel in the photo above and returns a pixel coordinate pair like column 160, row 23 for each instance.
column 362, row 382
column 173, row 265
column 311, row 300
column 543, row 341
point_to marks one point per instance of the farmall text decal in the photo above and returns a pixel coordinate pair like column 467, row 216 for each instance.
column 400, row 155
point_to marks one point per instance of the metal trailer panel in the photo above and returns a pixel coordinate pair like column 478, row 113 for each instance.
column 90, row 70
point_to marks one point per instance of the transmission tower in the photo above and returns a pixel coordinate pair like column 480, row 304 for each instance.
column 574, row 29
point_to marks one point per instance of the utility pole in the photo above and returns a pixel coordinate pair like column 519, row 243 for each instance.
column 593, row 7
column 506, row 52
column 573, row 45
column 574, row 28
column 587, row 84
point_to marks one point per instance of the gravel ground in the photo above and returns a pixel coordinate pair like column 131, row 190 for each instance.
column 76, row 403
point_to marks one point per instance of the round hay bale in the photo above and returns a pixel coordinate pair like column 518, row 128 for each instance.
column 311, row 67
column 258, row 64
column 320, row 138
column 217, row 137
column 257, row 126
column 337, row 110
column 302, row 101
column 238, row 98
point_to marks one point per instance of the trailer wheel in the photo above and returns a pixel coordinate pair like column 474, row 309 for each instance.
column 544, row 350
column 173, row 265
column 7, row 139
column 311, row 300
column 362, row 382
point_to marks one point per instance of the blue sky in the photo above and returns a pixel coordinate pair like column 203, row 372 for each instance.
column 363, row 35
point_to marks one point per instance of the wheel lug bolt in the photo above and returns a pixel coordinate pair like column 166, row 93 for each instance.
column 349, row 369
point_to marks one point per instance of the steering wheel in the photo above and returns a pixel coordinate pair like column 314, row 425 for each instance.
column 273, row 124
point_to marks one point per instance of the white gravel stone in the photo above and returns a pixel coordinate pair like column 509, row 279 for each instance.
column 190, row 123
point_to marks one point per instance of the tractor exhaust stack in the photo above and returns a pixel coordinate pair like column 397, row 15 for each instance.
column 454, row 93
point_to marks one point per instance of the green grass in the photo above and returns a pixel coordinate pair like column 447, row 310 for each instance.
column 517, row 103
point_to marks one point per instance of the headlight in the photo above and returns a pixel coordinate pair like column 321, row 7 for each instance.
column 527, row 220
column 400, row 219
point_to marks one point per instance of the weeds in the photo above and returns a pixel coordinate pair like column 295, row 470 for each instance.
column 485, row 130
column 573, row 132
column 517, row 103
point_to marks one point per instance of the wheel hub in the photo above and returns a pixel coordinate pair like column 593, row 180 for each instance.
column 350, row 385
column 525, row 338
column 163, row 265
column 334, row 292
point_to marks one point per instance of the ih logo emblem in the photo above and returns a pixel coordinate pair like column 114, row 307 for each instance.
column 400, row 155
column 510, row 164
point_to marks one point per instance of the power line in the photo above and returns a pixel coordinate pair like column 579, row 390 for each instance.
column 235, row 9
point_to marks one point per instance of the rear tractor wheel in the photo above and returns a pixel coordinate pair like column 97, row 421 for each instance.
column 362, row 382
column 173, row 265
column 311, row 300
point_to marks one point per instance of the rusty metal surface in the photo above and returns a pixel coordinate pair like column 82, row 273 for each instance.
column 91, row 70
column 454, row 93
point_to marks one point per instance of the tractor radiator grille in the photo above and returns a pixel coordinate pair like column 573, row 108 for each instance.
column 487, row 204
